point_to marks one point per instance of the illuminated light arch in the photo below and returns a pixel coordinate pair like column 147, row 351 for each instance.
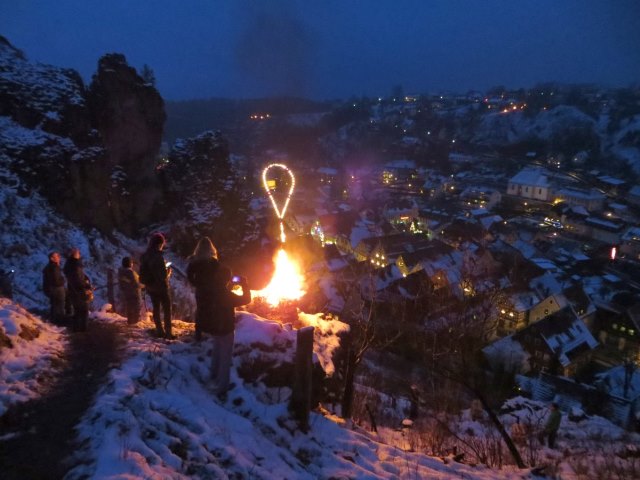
column 279, row 212
column 287, row 282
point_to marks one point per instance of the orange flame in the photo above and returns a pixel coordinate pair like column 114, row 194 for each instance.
column 287, row 282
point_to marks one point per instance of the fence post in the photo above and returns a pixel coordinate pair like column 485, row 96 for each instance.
column 300, row 403
column 111, row 298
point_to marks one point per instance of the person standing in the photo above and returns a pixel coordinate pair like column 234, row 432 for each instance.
column 129, row 284
column 53, row 285
column 201, row 273
column 215, row 308
column 552, row 426
column 79, row 289
column 154, row 274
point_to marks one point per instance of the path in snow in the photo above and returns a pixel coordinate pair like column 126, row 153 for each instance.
column 39, row 435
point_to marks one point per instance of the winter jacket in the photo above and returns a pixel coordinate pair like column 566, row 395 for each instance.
column 52, row 278
column 78, row 284
column 553, row 423
column 215, row 303
column 153, row 272
column 129, row 284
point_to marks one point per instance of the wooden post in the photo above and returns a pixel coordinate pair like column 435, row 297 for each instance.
column 111, row 298
column 300, row 404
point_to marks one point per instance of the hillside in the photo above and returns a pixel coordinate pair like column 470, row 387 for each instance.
column 154, row 415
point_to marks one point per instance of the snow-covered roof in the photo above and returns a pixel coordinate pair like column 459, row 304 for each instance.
column 536, row 177
column 614, row 380
column 582, row 194
column 400, row 164
column 611, row 180
column 328, row 171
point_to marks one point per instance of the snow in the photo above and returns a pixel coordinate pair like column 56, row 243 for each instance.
column 507, row 353
column 39, row 87
column 157, row 417
column 27, row 348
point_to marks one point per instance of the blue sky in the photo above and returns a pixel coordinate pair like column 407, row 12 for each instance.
column 335, row 48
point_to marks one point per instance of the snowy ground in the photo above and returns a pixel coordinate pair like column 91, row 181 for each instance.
column 157, row 418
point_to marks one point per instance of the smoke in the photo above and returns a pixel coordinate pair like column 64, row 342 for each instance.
column 275, row 51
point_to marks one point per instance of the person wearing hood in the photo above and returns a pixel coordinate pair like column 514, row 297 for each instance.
column 53, row 285
column 79, row 289
column 215, row 308
column 130, row 287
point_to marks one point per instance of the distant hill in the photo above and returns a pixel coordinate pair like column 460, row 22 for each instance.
column 191, row 117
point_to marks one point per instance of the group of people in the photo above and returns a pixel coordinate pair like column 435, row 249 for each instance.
column 213, row 283
column 68, row 288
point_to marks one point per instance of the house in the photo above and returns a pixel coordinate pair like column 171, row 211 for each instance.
column 327, row 174
column 335, row 228
column 401, row 211
column 618, row 330
column 560, row 343
column 480, row 197
column 461, row 231
column 399, row 171
column 413, row 261
column 605, row 230
column 633, row 195
column 513, row 312
column 592, row 199
column 530, row 183
column 630, row 242
column 581, row 304
column 384, row 250
column 301, row 221
column 610, row 184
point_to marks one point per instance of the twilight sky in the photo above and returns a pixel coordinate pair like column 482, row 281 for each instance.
column 335, row 48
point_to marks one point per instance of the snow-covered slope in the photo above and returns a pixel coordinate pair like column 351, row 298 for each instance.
column 44, row 91
column 157, row 418
column 511, row 127
column 27, row 348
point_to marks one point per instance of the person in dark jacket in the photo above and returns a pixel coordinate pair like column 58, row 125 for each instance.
column 215, row 308
column 129, row 284
column 201, row 273
column 53, row 285
column 154, row 274
column 552, row 426
column 80, row 290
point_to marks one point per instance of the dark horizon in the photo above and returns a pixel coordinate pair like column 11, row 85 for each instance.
column 336, row 50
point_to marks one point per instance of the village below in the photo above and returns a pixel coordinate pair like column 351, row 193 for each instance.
column 464, row 263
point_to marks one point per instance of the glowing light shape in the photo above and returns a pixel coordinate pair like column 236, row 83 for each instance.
column 269, row 186
column 287, row 282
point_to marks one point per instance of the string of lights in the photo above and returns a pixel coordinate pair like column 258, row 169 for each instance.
column 279, row 213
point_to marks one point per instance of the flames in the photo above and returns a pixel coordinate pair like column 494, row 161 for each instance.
column 287, row 282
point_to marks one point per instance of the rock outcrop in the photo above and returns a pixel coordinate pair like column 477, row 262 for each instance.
column 91, row 153
column 129, row 114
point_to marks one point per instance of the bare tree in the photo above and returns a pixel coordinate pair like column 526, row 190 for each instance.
column 367, row 331
column 452, row 349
